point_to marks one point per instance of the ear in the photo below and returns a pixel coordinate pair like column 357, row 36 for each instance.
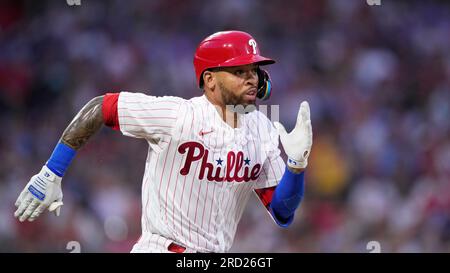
column 209, row 80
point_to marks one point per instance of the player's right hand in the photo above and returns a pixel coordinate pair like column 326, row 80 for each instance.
column 43, row 191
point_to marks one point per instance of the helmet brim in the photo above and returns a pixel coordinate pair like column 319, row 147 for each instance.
column 247, row 59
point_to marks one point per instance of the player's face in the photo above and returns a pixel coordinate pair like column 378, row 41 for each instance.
column 238, row 84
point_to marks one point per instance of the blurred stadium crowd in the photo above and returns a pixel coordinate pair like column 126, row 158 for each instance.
column 377, row 79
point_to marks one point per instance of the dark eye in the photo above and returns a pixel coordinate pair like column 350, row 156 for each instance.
column 239, row 72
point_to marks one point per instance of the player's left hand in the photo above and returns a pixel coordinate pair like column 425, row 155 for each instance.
column 297, row 144
column 43, row 191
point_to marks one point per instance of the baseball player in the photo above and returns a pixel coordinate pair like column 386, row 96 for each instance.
column 205, row 156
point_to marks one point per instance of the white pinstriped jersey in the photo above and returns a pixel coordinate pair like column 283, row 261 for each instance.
column 199, row 171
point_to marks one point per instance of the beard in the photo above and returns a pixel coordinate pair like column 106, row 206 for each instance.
column 241, row 105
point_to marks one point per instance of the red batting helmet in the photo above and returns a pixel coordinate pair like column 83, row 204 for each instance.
column 227, row 48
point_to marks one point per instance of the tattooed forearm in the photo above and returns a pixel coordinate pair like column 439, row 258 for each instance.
column 85, row 124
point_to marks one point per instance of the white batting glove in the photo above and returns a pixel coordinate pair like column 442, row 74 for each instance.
column 297, row 144
column 43, row 191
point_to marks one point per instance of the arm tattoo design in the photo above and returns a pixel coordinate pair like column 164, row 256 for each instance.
column 85, row 124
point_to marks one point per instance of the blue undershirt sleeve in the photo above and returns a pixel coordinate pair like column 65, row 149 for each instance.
column 287, row 197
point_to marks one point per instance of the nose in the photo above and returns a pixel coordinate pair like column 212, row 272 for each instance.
column 252, row 77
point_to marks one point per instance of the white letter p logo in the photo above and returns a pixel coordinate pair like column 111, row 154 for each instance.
column 253, row 44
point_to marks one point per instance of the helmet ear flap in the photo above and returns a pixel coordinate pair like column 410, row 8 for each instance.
column 264, row 84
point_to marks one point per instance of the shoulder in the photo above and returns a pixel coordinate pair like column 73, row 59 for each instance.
column 143, row 101
column 144, row 97
column 259, row 118
column 194, row 104
column 197, row 101
column 261, row 126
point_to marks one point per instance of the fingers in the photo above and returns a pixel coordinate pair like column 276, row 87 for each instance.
column 29, row 210
column 20, row 198
column 37, row 212
column 56, row 207
column 280, row 128
column 304, row 113
column 308, row 127
column 23, row 204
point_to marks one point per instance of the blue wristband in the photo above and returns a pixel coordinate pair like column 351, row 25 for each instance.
column 287, row 197
column 60, row 159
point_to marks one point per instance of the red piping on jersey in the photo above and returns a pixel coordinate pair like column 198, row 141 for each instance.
column 109, row 110
column 265, row 195
column 173, row 247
